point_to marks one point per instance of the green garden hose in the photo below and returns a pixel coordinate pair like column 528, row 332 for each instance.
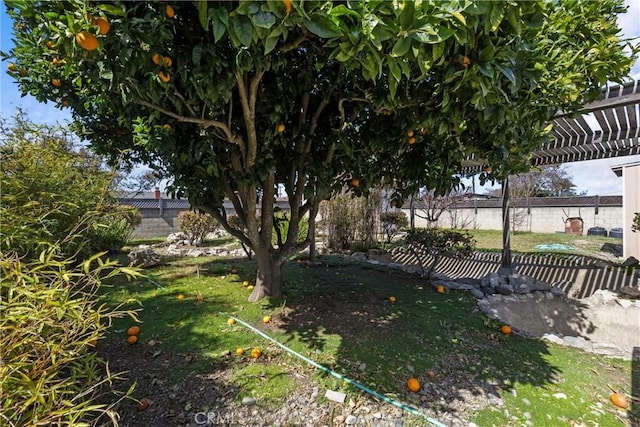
column 339, row 376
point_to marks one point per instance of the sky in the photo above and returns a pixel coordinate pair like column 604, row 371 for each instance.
column 593, row 177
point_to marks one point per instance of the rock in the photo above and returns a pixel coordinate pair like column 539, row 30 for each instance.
column 144, row 258
column 624, row 303
column 351, row 420
column 504, row 289
column 248, row 401
column 629, row 291
column 491, row 280
column 476, row 293
column 631, row 262
column 577, row 342
column 560, row 396
column 555, row 291
column 553, row 338
column 359, row 256
column 177, row 238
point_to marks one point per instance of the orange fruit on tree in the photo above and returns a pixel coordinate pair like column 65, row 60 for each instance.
column 412, row 140
column 413, row 385
column 166, row 61
column 157, row 58
column 103, row 25
column 86, row 40
column 169, row 11
column 231, row 321
column 165, row 77
column 23, row 72
column 409, row 133
column 619, row 400
column 56, row 82
column 50, row 44
column 506, row 329
column 466, row 61
column 256, row 352
column 281, row 128
column 65, row 104
column 132, row 339
column 440, row 289
column 134, row 330
column 239, row 351
column 355, row 182
column 12, row 67
column 392, row 298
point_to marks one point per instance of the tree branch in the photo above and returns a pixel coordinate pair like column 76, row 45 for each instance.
column 341, row 109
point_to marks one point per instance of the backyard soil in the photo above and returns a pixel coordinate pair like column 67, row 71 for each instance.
column 190, row 390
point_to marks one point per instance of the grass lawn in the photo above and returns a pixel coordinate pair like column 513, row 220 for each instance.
column 339, row 314
column 491, row 240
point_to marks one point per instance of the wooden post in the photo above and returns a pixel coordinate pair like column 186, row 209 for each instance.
column 505, row 266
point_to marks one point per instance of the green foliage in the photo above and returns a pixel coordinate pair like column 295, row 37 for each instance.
column 113, row 230
column 51, row 192
column 51, row 321
column 438, row 243
column 196, row 225
column 348, row 219
column 281, row 223
column 393, row 222
column 636, row 223
column 346, row 81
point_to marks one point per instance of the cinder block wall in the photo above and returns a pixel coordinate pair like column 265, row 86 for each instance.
column 155, row 225
column 540, row 220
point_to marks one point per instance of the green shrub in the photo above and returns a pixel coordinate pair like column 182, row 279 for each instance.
column 51, row 320
column 51, row 191
column 281, row 220
column 196, row 225
column 438, row 243
column 112, row 231
column 392, row 223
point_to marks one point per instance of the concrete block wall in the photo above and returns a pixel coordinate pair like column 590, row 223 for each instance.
column 539, row 220
column 153, row 225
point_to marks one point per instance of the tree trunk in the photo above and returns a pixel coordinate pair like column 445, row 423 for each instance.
column 269, row 277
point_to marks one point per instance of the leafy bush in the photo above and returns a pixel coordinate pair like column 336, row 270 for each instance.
column 112, row 231
column 196, row 225
column 393, row 222
column 281, row 228
column 50, row 324
column 424, row 242
column 51, row 192
column 348, row 219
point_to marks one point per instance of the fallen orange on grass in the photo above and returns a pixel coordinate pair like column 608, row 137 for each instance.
column 180, row 297
column 506, row 329
column 132, row 340
column 413, row 385
column 239, row 351
column 619, row 400
column 266, row 319
column 256, row 353
column 440, row 289
column 231, row 321
column 392, row 299
column 134, row 330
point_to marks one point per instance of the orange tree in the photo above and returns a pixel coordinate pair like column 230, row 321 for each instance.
column 239, row 100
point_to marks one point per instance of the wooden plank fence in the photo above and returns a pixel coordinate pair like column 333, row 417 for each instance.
column 578, row 276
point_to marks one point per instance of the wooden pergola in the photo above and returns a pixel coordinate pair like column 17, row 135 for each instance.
column 605, row 128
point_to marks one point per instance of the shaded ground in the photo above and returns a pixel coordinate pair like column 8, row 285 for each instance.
column 471, row 372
